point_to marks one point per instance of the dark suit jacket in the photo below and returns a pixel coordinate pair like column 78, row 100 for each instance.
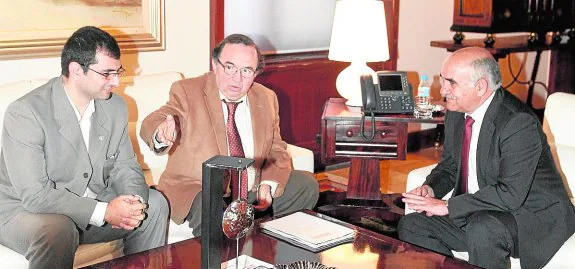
column 196, row 104
column 45, row 166
column 516, row 174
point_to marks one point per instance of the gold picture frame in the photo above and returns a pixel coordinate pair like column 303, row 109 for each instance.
column 33, row 29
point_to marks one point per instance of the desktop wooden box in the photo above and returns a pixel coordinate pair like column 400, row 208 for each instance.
column 503, row 16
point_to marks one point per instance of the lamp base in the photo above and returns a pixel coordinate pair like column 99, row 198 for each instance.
column 348, row 84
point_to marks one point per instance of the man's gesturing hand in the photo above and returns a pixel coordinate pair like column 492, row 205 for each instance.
column 166, row 131
column 126, row 212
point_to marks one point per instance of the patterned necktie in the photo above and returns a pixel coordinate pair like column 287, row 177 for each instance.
column 236, row 150
column 465, row 153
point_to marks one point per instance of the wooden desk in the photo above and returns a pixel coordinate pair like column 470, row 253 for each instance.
column 341, row 139
column 368, row 250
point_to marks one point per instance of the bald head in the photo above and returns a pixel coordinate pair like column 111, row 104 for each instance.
column 471, row 53
column 480, row 64
column 469, row 77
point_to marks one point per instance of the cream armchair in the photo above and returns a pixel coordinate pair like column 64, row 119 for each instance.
column 143, row 94
column 559, row 128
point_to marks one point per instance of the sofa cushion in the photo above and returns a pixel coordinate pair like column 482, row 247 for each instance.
column 94, row 253
column 143, row 95
column 302, row 158
column 85, row 255
column 153, row 165
column 12, row 259
column 150, row 91
column 559, row 128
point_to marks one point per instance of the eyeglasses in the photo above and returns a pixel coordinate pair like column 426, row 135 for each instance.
column 110, row 74
column 231, row 69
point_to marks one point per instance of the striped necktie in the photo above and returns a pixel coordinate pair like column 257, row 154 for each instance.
column 236, row 150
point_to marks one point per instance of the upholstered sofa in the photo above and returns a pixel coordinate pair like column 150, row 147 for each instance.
column 143, row 94
column 559, row 128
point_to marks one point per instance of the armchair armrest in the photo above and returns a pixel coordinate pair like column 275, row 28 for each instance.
column 302, row 158
column 416, row 178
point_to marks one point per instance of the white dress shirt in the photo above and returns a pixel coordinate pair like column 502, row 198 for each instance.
column 477, row 115
column 85, row 122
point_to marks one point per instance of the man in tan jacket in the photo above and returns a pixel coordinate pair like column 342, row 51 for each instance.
column 192, row 128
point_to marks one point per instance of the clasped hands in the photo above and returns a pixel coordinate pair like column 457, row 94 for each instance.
column 422, row 199
column 125, row 212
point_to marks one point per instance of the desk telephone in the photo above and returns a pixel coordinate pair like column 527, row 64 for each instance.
column 392, row 95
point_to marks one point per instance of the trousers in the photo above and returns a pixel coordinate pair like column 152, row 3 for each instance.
column 489, row 237
column 301, row 192
column 51, row 240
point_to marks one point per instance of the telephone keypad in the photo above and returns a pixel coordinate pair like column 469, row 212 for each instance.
column 397, row 102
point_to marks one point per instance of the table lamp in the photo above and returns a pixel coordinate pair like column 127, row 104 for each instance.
column 359, row 35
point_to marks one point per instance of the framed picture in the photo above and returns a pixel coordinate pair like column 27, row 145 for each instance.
column 39, row 28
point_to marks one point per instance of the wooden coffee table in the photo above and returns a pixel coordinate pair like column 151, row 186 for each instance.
column 368, row 250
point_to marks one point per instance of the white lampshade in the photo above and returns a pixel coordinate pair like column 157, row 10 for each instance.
column 359, row 35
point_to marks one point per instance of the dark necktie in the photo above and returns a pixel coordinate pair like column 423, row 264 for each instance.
column 465, row 153
column 236, row 150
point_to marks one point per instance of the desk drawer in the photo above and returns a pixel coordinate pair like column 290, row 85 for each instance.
column 350, row 143
column 385, row 132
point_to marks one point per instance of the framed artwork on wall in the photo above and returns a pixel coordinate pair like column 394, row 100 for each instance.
column 32, row 28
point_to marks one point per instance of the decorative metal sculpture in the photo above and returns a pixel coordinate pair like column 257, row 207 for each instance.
column 238, row 219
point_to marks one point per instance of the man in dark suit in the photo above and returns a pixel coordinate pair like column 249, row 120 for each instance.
column 509, row 199
column 68, row 173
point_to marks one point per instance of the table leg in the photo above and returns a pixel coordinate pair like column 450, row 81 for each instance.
column 364, row 181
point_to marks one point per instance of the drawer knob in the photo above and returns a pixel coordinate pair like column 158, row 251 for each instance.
column 383, row 133
column 349, row 133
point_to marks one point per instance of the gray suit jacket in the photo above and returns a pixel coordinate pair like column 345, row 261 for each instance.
column 516, row 174
column 45, row 166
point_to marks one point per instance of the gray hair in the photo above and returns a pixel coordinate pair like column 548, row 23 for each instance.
column 488, row 68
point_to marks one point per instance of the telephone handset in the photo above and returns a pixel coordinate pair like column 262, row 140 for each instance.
column 392, row 94
column 369, row 105
column 368, row 93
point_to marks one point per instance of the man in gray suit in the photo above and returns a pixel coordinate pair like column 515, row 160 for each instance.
column 68, row 173
column 509, row 199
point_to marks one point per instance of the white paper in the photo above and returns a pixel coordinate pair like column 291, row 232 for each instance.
column 309, row 230
column 245, row 262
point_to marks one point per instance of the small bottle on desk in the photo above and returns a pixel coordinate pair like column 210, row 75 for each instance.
column 423, row 108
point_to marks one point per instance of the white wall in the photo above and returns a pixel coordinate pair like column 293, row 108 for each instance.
column 420, row 22
column 272, row 26
column 187, row 48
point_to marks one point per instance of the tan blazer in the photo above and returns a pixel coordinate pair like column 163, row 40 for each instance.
column 196, row 106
